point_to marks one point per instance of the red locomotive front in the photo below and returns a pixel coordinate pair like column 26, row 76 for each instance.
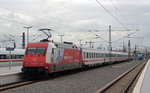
column 34, row 58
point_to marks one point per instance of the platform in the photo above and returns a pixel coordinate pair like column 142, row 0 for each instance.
column 143, row 84
column 12, row 70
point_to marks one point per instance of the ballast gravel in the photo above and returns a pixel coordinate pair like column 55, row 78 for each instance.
column 82, row 82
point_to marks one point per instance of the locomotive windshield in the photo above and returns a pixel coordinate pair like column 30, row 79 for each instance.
column 36, row 50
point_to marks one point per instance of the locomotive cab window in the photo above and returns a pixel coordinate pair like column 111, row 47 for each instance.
column 31, row 50
column 36, row 50
column 41, row 50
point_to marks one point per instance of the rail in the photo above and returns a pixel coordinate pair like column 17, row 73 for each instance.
column 112, row 87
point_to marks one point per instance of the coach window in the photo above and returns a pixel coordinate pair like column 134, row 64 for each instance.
column 18, row 57
column 12, row 56
column 93, row 55
column 87, row 55
column 7, row 56
column 21, row 56
column 90, row 55
column 107, row 55
column 98, row 55
column 83, row 55
column 1, row 56
column 4, row 57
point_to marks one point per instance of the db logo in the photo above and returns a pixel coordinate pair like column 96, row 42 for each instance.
column 34, row 59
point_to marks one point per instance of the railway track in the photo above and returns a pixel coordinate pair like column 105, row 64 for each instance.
column 18, row 84
column 123, row 83
column 33, row 80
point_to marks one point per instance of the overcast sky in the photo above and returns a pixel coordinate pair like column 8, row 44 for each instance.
column 74, row 19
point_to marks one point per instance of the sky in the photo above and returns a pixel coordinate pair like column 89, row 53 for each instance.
column 77, row 19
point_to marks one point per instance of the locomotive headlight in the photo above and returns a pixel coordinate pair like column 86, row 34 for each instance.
column 26, row 63
column 46, row 67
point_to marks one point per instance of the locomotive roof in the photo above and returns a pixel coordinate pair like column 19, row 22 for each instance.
column 65, row 45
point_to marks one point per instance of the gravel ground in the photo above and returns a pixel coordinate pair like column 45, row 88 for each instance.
column 83, row 82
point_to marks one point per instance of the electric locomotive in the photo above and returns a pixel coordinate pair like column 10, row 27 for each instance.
column 140, row 56
column 49, row 57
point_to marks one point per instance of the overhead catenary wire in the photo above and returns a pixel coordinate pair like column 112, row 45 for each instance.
column 98, row 36
column 36, row 18
column 17, row 22
column 21, row 23
column 122, row 15
column 112, row 15
column 125, row 36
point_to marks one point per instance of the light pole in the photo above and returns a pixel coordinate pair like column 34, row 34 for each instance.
column 61, row 37
column 27, row 27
